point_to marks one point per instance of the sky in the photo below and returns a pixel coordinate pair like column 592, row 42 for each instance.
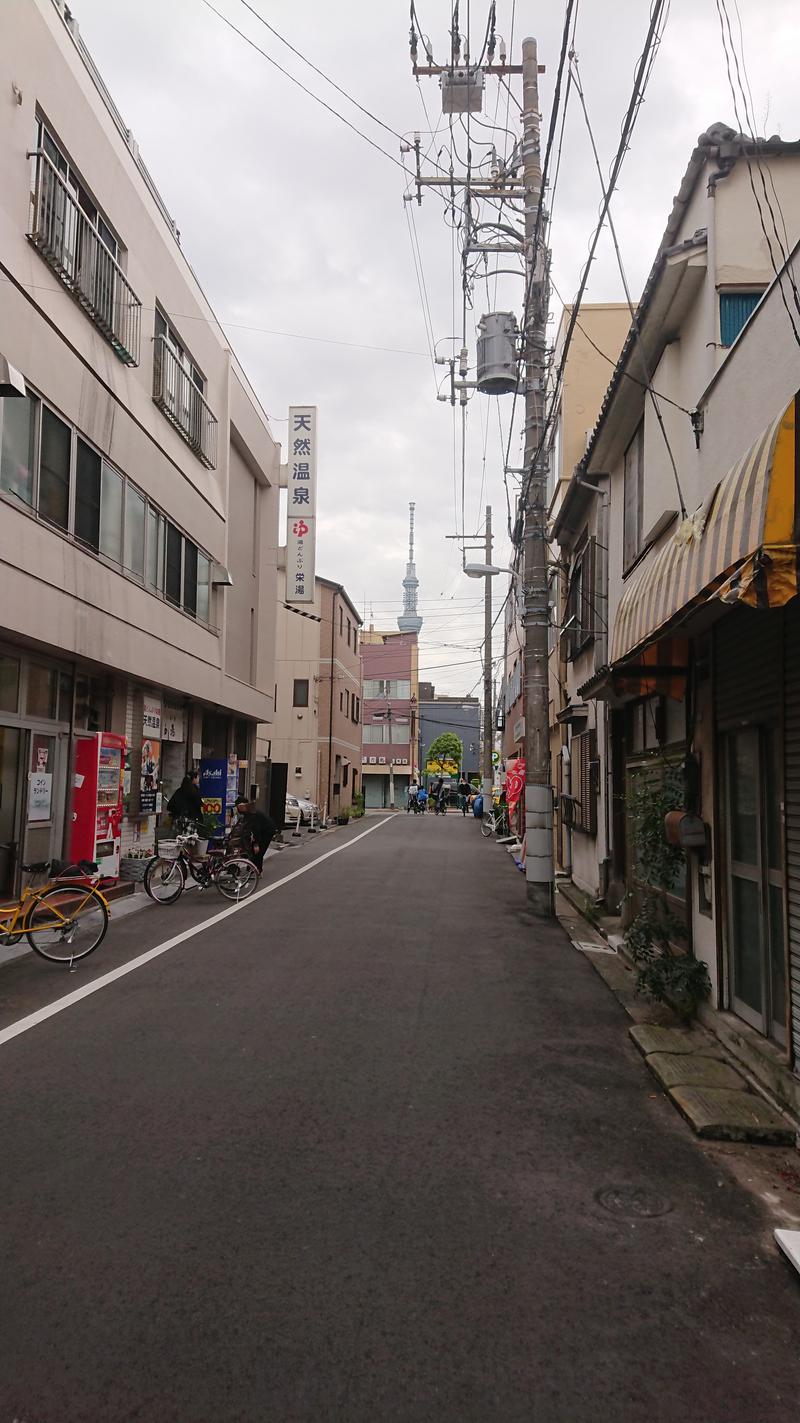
column 299, row 234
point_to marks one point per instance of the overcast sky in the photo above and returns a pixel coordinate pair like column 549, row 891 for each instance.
column 296, row 225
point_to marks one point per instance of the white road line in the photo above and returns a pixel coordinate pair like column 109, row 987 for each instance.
column 42, row 1014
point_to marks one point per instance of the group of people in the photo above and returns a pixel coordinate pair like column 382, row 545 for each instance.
column 419, row 798
column 252, row 830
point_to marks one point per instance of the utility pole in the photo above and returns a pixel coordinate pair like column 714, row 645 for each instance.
column 538, row 790
column 488, row 718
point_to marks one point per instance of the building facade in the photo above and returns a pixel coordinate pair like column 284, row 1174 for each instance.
column 459, row 715
column 139, row 474
column 697, row 686
column 390, row 665
column 314, row 748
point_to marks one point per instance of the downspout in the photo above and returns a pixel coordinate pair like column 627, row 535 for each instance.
column 330, row 711
column 712, row 336
column 566, row 780
column 602, row 656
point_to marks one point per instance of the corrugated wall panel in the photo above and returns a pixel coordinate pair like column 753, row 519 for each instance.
column 791, row 631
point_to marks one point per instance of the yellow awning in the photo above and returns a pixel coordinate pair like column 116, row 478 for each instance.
column 740, row 546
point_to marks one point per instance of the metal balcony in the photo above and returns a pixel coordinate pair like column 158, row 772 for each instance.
column 72, row 246
column 176, row 394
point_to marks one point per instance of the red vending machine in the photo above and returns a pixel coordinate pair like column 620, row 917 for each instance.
column 97, row 800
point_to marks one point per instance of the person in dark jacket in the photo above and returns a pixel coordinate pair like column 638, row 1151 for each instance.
column 187, row 803
column 257, row 830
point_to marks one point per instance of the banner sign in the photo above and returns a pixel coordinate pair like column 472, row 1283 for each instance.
column 301, row 503
column 213, row 789
column 151, row 715
column 515, row 783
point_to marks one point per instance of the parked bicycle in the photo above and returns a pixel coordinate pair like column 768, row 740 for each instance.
column 496, row 822
column 166, row 875
column 65, row 920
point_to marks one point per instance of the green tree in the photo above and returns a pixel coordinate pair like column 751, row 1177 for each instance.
column 447, row 747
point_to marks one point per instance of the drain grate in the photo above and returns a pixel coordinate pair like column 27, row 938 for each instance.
column 638, row 1201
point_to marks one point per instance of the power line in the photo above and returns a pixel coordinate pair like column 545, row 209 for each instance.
column 628, row 298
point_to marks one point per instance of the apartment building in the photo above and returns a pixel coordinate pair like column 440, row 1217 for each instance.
column 459, row 715
column 390, row 663
column 698, row 684
column 315, row 738
column 138, row 476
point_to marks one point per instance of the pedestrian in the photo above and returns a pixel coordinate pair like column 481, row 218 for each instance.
column 422, row 801
column 187, row 803
column 413, row 792
column 464, row 790
column 257, row 830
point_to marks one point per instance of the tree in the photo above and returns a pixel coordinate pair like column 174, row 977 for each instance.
column 447, row 747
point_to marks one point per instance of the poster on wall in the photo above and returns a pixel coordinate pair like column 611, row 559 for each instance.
column 148, row 785
column 233, row 780
column 151, row 715
column 213, row 788
column 173, row 723
column 40, row 795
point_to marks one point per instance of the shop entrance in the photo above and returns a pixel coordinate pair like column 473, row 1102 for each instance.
column 9, row 795
column 755, row 880
column 31, row 800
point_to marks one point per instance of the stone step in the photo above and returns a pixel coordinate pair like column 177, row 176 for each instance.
column 683, row 1069
column 649, row 1038
column 719, row 1114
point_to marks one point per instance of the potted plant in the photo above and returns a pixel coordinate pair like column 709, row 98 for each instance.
column 133, row 863
column 343, row 815
column 206, row 828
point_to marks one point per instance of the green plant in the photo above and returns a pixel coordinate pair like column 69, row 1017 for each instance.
column 665, row 970
column 208, row 826
column 447, row 747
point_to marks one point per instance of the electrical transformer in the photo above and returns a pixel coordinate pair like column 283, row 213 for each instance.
column 462, row 90
column 497, row 372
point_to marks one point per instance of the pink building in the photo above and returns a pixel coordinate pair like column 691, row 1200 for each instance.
column 390, row 665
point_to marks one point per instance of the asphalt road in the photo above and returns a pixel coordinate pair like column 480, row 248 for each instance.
column 337, row 1157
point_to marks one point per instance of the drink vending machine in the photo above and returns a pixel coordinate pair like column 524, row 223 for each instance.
column 97, row 800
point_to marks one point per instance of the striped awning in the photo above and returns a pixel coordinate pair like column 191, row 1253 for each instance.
column 740, row 546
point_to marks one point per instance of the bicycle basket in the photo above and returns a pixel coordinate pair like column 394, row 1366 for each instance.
column 168, row 849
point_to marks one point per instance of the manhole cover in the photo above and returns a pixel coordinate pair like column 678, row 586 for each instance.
column 632, row 1201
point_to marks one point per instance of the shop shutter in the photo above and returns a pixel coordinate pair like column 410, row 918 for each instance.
column 747, row 668
column 791, row 623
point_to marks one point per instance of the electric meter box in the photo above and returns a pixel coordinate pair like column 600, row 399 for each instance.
column 498, row 335
column 462, row 90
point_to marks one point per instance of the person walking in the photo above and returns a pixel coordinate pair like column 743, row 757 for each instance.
column 187, row 802
column 413, row 792
column 421, row 803
column 464, row 791
column 257, row 830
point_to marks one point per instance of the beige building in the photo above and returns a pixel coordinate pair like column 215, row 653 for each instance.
column 697, row 684
column 315, row 739
column 578, row 620
column 139, row 474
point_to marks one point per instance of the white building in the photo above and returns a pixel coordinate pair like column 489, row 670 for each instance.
column 700, row 685
column 138, row 485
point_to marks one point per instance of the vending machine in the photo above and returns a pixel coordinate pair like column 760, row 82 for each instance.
column 97, row 800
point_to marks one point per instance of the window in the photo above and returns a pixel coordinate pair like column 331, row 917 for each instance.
column 54, row 473
column 300, row 693
column 204, row 587
column 163, row 328
column 134, row 531
column 345, row 773
column 346, row 702
column 179, row 390
column 111, row 514
column 341, row 701
column 633, row 498
column 401, row 733
column 341, row 621
column 585, row 777
column 172, row 567
column 580, row 606
column 377, row 732
column 88, row 472
column 190, row 577
column 355, row 706
column 349, row 631
column 18, row 446
column 155, row 549
column 734, row 310
column 9, row 683
column 41, row 697
column 376, row 687
column 355, row 639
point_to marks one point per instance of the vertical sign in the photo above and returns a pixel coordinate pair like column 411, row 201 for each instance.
column 301, row 507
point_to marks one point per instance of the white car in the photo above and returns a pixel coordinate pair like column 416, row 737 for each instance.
column 306, row 808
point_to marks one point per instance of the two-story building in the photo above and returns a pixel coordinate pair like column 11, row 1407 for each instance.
column 693, row 461
column 138, row 471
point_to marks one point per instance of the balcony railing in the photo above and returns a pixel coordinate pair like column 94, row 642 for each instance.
column 176, row 394
column 72, row 246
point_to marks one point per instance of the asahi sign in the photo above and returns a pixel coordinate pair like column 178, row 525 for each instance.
column 301, row 507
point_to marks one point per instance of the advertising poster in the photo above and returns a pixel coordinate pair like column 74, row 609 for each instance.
column 213, row 787
column 233, row 781
column 173, row 723
column 151, row 758
column 40, row 795
column 151, row 716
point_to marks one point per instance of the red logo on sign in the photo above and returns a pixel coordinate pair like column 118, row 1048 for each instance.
column 300, row 527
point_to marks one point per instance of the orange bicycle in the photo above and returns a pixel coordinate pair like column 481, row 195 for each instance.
column 63, row 921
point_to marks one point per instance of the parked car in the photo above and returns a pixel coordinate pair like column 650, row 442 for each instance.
column 307, row 808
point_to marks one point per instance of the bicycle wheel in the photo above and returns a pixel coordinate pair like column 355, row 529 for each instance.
column 164, row 880
column 487, row 825
column 237, row 878
column 66, row 922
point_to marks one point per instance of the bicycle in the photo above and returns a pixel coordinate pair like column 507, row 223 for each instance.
column 234, row 876
column 495, row 822
column 65, row 920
